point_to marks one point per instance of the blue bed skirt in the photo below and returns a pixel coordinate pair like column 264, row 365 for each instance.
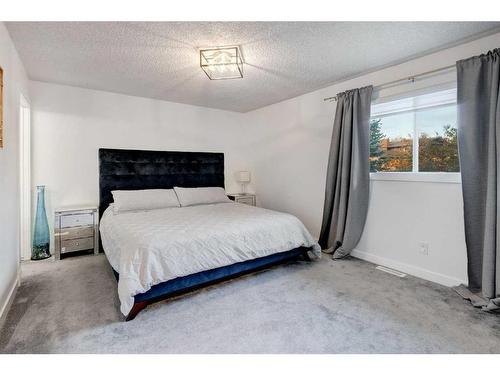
column 184, row 284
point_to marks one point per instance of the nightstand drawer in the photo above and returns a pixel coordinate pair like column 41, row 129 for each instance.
column 69, row 246
column 76, row 232
column 68, row 221
column 246, row 200
column 243, row 198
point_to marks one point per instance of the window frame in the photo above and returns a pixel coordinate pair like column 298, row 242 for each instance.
column 437, row 177
column 415, row 175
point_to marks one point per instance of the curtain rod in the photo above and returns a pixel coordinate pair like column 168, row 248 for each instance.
column 400, row 81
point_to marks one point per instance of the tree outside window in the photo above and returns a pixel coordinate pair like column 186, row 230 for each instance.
column 391, row 149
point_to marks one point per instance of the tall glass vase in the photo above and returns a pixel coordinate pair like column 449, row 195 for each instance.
column 41, row 236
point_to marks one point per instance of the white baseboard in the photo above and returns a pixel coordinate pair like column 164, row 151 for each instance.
column 8, row 302
column 409, row 269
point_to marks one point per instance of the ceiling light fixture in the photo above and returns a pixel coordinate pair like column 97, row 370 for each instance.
column 222, row 63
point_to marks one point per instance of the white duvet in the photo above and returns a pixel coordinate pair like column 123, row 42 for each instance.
column 149, row 247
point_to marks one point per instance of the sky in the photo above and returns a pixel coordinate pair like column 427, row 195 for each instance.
column 428, row 120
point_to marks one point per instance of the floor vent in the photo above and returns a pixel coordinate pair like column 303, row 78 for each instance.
column 392, row 272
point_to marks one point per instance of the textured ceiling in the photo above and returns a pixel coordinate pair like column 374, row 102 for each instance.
column 282, row 59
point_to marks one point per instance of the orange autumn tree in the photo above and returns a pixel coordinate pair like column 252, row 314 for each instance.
column 439, row 153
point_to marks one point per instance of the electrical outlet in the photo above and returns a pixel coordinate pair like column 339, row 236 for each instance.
column 423, row 248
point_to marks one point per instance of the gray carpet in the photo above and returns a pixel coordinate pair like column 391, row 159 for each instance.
column 322, row 307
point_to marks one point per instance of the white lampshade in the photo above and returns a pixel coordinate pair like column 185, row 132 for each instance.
column 243, row 176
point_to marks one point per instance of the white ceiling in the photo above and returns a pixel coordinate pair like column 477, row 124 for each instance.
column 282, row 59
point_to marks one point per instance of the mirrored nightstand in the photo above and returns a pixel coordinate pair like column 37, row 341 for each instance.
column 76, row 229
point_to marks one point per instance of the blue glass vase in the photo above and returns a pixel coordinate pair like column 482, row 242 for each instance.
column 41, row 236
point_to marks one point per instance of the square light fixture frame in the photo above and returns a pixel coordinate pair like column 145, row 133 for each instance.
column 205, row 64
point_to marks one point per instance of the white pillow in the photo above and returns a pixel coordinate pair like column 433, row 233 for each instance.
column 205, row 195
column 150, row 199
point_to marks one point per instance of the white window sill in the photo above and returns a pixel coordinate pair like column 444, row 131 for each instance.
column 435, row 177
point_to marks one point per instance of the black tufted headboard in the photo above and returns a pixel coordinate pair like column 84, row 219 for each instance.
column 139, row 169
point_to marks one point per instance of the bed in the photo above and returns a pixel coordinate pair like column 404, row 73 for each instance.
column 160, row 253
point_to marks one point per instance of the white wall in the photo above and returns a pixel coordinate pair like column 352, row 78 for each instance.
column 290, row 143
column 70, row 125
column 15, row 84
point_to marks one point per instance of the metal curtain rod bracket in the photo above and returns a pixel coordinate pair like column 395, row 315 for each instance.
column 410, row 79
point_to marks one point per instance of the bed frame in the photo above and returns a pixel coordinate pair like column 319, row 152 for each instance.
column 139, row 169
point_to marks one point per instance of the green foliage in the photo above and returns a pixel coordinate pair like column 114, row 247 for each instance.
column 376, row 137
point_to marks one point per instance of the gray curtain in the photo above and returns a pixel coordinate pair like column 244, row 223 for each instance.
column 348, row 175
column 478, row 101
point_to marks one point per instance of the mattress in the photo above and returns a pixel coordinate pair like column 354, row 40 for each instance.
column 150, row 247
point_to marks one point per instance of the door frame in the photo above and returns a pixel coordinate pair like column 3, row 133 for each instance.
column 24, row 178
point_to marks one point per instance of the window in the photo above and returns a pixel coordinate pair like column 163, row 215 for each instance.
column 417, row 134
